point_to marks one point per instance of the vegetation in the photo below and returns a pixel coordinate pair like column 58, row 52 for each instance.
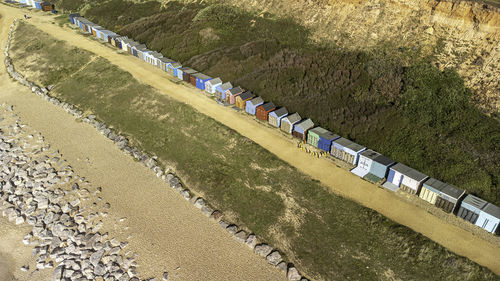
column 393, row 101
column 323, row 233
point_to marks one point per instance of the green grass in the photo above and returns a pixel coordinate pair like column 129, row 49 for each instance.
column 327, row 236
column 35, row 48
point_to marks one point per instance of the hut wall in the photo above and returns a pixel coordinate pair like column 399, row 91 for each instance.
column 298, row 135
column 312, row 138
column 286, row 126
column 192, row 80
column 261, row 114
column 378, row 170
column 467, row 214
column 410, row 185
column 273, row 120
column 487, row 222
column 444, row 204
column 428, row 195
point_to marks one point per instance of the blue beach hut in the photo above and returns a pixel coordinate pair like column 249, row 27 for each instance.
column 201, row 79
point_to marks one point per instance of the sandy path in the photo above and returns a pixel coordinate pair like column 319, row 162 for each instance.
column 339, row 180
column 167, row 232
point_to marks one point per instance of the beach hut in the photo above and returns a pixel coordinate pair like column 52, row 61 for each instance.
column 242, row 99
column 163, row 63
column 47, row 7
column 481, row 213
column 346, row 150
column 142, row 52
column 211, row 85
column 275, row 116
column 365, row 162
column 443, row 195
column 221, row 90
column 173, row 67
column 85, row 25
column 201, row 79
column 251, row 105
column 105, row 35
column 72, row 17
column 186, row 74
column 231, row 94
column 288, row 122
column 112, row 38
column 132, row 47
column 409, row 179
column 372, row 165
column 137, row 49
column 124, row 41
column 321, row 138
column 262, row 111
column 96, row 30
column 152, row 57
column 300, row 128
column 470, row 208
column 489, row 218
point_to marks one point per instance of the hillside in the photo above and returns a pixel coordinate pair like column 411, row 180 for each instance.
column 398, row 102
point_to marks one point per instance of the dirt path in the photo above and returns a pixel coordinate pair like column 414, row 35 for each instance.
column 167, row 232
column 339, row 180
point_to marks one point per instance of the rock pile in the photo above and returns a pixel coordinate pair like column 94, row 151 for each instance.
column 39, row 188
column 272, row 255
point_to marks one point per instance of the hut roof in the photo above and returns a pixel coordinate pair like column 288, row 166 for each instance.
column 306, row 124
column 246, row 95
column 474, row 201
column 235, row 90
column 492, row 210
column 281, row 112
column 188, row 70
column 202, row 76
column 383, row 160
column 292, row 118
column 349, row 144
column 410, row 172
column 216, row 81
column 370, row 154
column 448, row 189
column 226, row 86
column 324, row 133
column 176, row 65
column 156, row 54
column 166, row 60
column 268, row 106
column 107, row 32
column 257, row 100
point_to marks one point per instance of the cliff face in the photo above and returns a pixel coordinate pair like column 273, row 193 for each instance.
column 463, row 35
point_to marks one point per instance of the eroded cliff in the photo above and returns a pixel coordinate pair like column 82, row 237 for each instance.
column 461, row 35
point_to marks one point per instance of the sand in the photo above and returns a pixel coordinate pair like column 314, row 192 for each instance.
column 340, row 181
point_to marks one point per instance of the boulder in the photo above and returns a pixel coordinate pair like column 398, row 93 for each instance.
column 263, row 250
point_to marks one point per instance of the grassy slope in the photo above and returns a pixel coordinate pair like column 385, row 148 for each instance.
column 323, row 233
column 358, row 95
